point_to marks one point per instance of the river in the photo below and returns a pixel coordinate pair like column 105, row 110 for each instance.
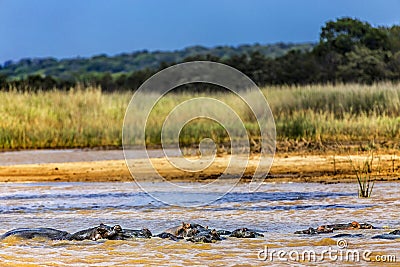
column 276, row 209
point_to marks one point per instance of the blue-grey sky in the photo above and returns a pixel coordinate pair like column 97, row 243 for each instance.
column 71, row 28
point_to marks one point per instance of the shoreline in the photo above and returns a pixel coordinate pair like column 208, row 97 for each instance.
column 286, row 167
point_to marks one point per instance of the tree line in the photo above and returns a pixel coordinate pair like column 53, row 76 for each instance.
column 348, row 51
column 126, row 63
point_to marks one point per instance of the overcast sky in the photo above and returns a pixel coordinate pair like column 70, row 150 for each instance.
column 71, row 28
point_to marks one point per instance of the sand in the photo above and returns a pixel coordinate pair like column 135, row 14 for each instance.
column 324, row 168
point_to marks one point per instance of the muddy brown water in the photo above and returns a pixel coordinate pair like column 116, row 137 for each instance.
column 276, row 209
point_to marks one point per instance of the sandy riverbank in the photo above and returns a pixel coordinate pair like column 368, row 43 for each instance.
column 326, row 168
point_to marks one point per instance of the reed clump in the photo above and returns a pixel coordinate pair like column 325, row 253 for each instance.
column 363, row 174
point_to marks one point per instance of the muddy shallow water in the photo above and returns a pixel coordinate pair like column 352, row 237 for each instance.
column 277, row 210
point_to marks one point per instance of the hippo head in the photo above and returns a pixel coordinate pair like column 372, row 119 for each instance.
column 355, row 225
column 146, row 232
column 103, row 231
column 99, row 232
column 116, row 229
column 184, row 229
column 215, row 234
column 191, row 232
column 186, row 226
column 395, row 232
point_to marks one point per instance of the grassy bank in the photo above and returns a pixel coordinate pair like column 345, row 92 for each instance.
column 86, row 117
column 78, row 118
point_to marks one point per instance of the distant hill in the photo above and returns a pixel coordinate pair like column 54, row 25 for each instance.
column 78, row 68
column 348, row 51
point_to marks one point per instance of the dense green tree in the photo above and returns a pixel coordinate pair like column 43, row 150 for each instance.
column 364, row 66
column 106, row 82
column 3, row 81
column 393, row 67
column 343, row 34
column 394, row 38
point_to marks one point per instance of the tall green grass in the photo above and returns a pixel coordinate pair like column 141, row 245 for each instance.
column 86, row 117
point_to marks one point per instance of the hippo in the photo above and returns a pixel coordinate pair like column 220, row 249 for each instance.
column 205, row 236
column 125, row 234
column 392, row 235
column 29, row 233
column 245, row 233
column 350, row 226
column 367, row 226
column 312, row 231
column 198, row 230
column 347, row 235
column 224, row 232
column 395, row 232
column 309, row 231
column 180, row 231
column 198, row 227
column 202, row 234
column 192, row 232
column 99, row 232
column 334, row 227
column 172, row 237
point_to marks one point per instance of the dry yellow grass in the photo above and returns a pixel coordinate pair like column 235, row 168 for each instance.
column 86, row 117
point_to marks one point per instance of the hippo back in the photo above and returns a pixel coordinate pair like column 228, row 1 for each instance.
column 29, row 233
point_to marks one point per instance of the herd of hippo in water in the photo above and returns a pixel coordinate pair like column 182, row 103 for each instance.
column 188, row 231
column 330, row 228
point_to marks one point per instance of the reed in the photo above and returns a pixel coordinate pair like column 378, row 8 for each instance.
column 363, row 174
